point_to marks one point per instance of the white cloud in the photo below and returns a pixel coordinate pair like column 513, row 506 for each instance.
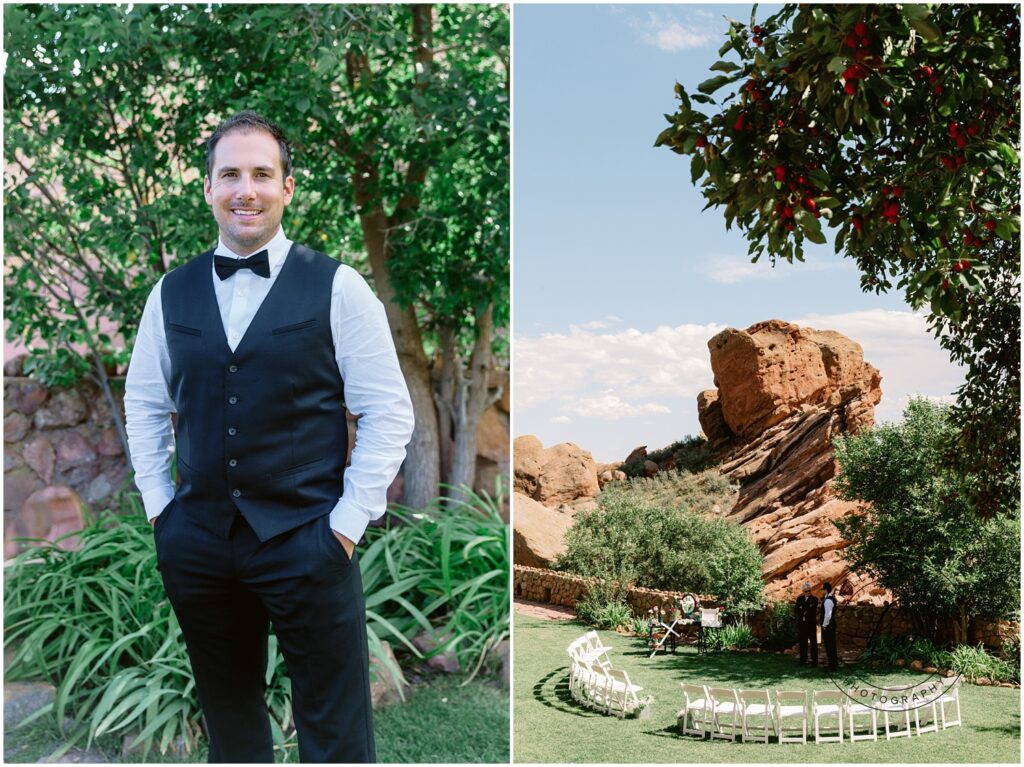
column 560, row 419
column 609, row 407
column 675, row 37
column 613, row 318
column 640, row 368
column 732, row 269
column 592, row 325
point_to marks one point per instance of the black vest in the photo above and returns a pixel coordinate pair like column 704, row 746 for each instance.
column 260, row 430
column 834, row 618
column 806, row 609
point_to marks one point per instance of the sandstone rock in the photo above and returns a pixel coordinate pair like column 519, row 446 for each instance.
column 16, row 426
column 492, row 436
column 15, row 366
column 384, row 688
column 24, row 698
column 527, row 459
column 65, row 408
column 650, row 468
column 74, row 450
column 538, row 532
column 27, row 396
column 19, row 484
column 900, row 663
column 567, row 473
column 931, row 670
column 39, row 455
column 916, row 665
column 638, row 454
column 108, row 443
column 48, row 513
column 444, row 661
column 984, row 681
column 712, row 423
column 767, row 372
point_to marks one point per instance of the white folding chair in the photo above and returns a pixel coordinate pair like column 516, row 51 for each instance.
column 859, row 709
column 901, row 713
column 693, row 719
column 595, row 650
column 791, row 706
column 929, row 714
column 756, row 703
column 723, row 703
column 621, row 698
column 950, row 696
column 826, row 703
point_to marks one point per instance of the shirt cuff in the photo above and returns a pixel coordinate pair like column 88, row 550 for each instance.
column 349, row 520
column 155, row 501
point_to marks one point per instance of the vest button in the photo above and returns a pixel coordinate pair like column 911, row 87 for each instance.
column 232, row 400
column 232, row 368
column 236, row 493
column 232, row 462
column 232, row 431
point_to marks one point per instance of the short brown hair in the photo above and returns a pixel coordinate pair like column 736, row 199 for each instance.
column 248, row 120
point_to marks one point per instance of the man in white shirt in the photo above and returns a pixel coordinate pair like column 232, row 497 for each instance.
column 259, row 346
column 828, row 627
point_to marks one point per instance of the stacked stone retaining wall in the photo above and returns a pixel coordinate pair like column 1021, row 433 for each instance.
column 857, row 623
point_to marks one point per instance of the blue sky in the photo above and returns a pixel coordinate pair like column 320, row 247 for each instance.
column 619, row 280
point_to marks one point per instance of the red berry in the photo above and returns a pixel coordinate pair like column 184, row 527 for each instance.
column 945, row 284
column 787, row 212
column 817, row 214
column 865, row 42
column 937, row 90
column 887, row 102
column 757, row 41
column 780, row 124
column 897, row 191
column 740, row 120
column 801, row 180
column 756, row 95
column 810, row 204
column 958, row 267
column 780, row 173
column 926, row 71
column 886, row 190
column 990, row 225
column 850, row 87
column 851, row 41
column 860, row 55
column 961, row 142
column 757, row 29
column 972, row 130
column 789, row 226
column 857, row 222
column 701, row 142
column 860, row 29
column 965, row 265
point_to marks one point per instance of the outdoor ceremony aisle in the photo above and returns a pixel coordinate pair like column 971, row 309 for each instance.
column 550, row 727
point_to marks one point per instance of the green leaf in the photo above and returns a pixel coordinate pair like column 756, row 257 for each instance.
column 697, row 167
column 713, row 84
column 926, row 29
column 724, row 66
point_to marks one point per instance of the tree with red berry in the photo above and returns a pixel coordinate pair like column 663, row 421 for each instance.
column 897, row 126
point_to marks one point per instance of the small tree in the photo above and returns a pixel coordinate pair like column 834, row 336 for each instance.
column 897, row 126
column 665, row 547
column 921, row 537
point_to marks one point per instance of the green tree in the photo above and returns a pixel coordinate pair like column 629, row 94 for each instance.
column 399, row 120
column 667, row 547
column 921, row 536
column 897, row 126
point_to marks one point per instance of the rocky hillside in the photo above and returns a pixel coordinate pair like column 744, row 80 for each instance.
column 782, row 393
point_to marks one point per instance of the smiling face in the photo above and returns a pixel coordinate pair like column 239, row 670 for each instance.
column 246, row 189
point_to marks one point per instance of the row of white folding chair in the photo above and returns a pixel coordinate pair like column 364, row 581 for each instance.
column 607, row 689
column 711, row 710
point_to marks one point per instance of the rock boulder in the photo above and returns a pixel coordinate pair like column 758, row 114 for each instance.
column 538, row 533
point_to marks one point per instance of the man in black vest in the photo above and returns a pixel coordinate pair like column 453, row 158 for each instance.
column 259, row 346
column 828, row 626
column 807, row 624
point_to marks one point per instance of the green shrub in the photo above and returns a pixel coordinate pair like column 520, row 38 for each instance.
column 691, row 454
column 95, row 621
column 975, row 662
column 737, row 635
column 665, row 548
column 1011, row 654
column 780, row 626
column 604, row 608
column 701, row 493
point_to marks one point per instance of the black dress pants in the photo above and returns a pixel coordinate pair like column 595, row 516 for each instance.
column 226, row 593
column 828, row 637
column 808, row 635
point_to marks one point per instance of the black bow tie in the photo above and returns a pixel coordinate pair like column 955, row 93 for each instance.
column 225, row 266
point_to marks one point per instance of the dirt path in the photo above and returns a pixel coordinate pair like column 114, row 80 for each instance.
column 545, row 611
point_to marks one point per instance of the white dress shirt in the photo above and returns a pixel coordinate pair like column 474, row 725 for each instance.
column 828, row 613
column 375, row 389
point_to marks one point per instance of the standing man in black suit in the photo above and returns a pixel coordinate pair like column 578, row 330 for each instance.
column 259, row 346
column 807, row 624
column 828, row 626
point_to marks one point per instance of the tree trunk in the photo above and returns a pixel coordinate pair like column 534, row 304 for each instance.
column 472, row 398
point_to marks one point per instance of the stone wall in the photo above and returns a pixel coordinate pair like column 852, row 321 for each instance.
column 60, row 451
column 857, row 623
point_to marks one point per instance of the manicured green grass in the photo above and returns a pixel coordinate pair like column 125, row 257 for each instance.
column 440, row 722
column 550, row 727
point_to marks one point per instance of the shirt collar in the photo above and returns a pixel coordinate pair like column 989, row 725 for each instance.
column 277, row 249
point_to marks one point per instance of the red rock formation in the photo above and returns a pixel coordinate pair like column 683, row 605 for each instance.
column 784, row 392
column 560, row 474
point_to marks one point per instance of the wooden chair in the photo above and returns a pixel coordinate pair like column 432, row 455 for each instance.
column 723, row 703
column 621, row 697
column 900, row 712
column 950, row 696
column 693, row 718
column 859, row 709
column 756, row 703
column 825, row 703
column 791, row 706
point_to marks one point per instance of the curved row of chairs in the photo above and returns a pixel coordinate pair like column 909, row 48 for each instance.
column 750, row 714
column 595, row 683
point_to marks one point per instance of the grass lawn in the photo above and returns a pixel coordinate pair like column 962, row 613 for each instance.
column 550, row 727
column 440, row 722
